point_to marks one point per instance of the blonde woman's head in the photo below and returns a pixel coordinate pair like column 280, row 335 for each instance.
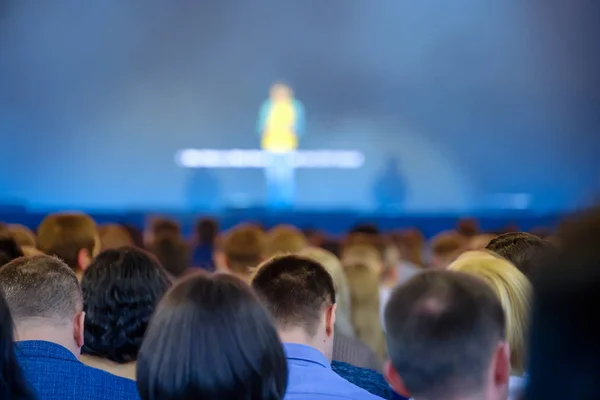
column 514, row 292
column 284, row 239
column 364, row 294
column 332, row 264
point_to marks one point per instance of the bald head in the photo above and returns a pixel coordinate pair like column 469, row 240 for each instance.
column 41, row 287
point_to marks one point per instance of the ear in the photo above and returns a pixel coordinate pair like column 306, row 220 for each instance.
column 330, row 320
column 78, row 328
column 84, row 259
column 394, row 380
column 501, row 364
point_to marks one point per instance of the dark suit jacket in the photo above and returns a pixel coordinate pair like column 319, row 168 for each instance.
column 54, row 373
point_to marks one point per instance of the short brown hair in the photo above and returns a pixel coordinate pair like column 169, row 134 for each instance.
column 41, row 287
column 243, row 247
column 114, row 236
column 448, row 245
column 64, row 235
column 284, row 239
column 296, row 290
column 442, row 330
column 22, row 234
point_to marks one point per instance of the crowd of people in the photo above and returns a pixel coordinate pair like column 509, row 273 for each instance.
column 111, row 312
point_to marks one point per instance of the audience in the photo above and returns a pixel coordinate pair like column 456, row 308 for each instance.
column 241, row 251
column 212, row 340
column 9, row 249
column 121, row 289
column 46, row 302
column 446, row 339
column 521, row 249
column 300, row 295
column 346, row 348
column 565, row 350
column 71, row 237
column 12, row 382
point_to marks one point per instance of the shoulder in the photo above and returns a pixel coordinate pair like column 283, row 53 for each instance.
column 364, row 378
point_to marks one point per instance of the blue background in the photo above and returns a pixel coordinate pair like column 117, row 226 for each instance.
column 457, row 105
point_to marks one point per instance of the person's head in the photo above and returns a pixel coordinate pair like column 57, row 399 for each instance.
column 468, row 227
column 71, row 237
column 211, row 339
column 242, row 249
column 160, row 227
column 514, row 292
column 113, row 236
column 446, row 339
column 564, row 331
column 300, row 295
column 9, row 249
column 172, row 253
column 12, row 383
column 45, row 300
column 445, row 247
column 521, row 249
column 284, row 239
column 364, row 294
column 343, row 316
column 281, row 92
column 206, row 231
column 365, row 254
column 121, row 289
column 23, row 235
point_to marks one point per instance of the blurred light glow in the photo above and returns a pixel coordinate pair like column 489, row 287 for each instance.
column 236, row 158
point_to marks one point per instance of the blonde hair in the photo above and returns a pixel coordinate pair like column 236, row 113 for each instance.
column 343, row 316
column 114, row 236
column 514, row 292
column 364, row 294
column 364, row 254
column 284, row 239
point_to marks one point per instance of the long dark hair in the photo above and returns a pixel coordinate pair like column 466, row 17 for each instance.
column 12, row 383
column 211, row 339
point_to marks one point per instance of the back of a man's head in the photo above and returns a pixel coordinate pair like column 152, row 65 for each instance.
column 243, row 248
column 520, row 248
column 296, row 290
column 41, row 289
column 9, row 248
column 71, row 237
column 444, row 331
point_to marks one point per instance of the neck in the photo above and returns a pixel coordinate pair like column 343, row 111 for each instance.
column 299, row 336
column 40, row 329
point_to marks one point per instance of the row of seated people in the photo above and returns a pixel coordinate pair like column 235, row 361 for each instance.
column 455, row 334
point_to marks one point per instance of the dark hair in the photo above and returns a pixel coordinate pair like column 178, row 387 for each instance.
column 211, row 339
column 121, row 289
column 564, row 333
column 41, row 287
column 442, row 330
column 520, row 248
column 9, row 249
column 173, row 254
column 206, row 231
column 12, row 382
column 295, row 290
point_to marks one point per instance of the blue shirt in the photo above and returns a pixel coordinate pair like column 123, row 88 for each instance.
column 56, row 374
column 311, row 377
